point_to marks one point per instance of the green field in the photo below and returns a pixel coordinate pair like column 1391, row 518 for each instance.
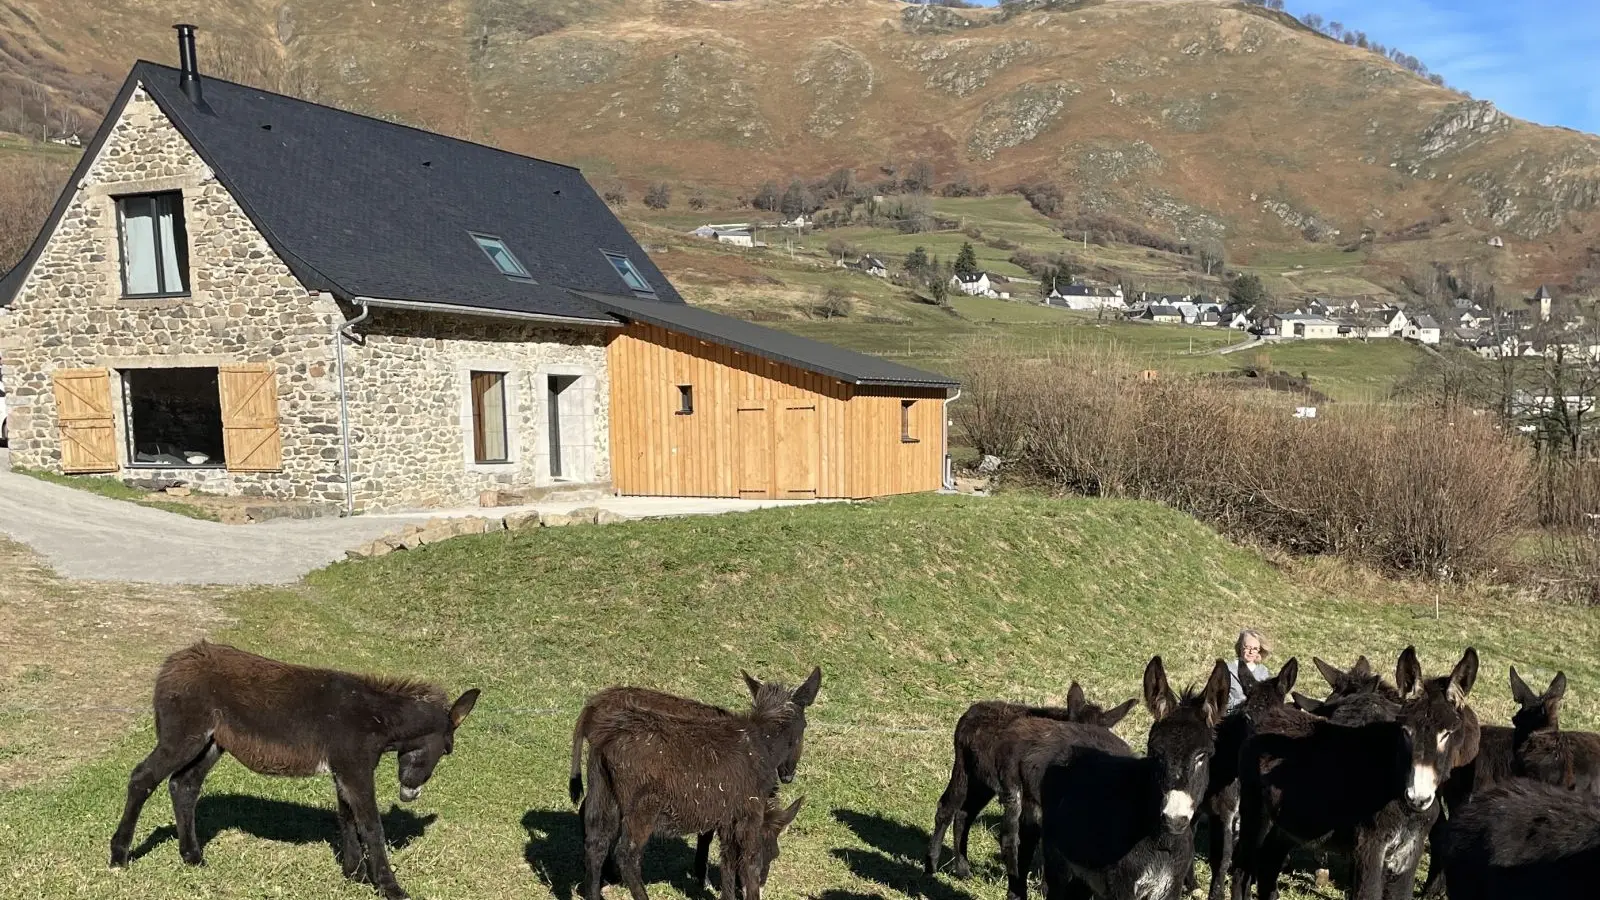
column 913, row 607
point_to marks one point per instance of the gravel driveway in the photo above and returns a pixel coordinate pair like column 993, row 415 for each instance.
column 85, row 536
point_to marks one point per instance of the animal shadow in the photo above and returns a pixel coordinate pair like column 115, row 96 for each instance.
column 897, row 862
column 555, row 854
column 278, row 820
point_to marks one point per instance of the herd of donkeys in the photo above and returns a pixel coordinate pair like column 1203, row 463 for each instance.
column 1379, row 771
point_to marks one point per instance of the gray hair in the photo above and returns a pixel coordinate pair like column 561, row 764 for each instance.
column 1238, row 645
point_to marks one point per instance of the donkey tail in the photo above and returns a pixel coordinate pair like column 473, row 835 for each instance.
column 575, row 773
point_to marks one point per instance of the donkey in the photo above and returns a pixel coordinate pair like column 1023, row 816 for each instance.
column 975, row 775
column 1358, row 696
column 1370, row 788
column 1123, row 826
column 1524, row 839
column 620, row 697
column 658, row 771
column 282, row 719
column 1532, row 747
column 1221, row 803
column 1541, row 750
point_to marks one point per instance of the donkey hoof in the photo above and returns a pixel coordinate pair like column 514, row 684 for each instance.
column 393, row 891
column 119, row 857
column 961, row 870
column 193, row 859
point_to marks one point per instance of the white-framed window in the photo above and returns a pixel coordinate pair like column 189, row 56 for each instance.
column 154, row 243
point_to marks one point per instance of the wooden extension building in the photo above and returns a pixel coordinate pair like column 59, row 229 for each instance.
column 709, row 406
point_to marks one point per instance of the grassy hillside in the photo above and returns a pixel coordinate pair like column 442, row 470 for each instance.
column 1203, row 119
column 913, row 607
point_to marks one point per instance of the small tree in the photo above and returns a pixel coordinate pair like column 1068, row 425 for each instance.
column 697, row 200
column 659, row 196
column 920, row 179
column 842, row 183
column 797, row 199
column 966, row 264
column 836, row 304
column 1247, row 291
column 839, row 248
column 1212, row 257
column 766, row 197
column 937, row 280
column 615, row 194
column 917, row 262
column 1047, row 282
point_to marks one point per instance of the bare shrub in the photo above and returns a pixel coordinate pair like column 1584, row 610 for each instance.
column 1404, row 491
column 28, row 188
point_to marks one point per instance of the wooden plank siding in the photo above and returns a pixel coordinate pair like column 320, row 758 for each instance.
column 760, row 428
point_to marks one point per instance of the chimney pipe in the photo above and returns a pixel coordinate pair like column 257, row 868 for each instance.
column 188, row 67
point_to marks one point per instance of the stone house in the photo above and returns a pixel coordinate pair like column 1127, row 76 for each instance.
column 257, row 295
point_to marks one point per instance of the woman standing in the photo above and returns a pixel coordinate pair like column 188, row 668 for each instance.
column 1251, row 649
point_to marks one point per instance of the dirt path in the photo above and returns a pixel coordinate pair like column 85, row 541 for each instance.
column 77, row 660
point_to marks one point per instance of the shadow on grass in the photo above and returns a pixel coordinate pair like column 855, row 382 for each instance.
column 277, row 820
column 555, row 854
column 895, row 860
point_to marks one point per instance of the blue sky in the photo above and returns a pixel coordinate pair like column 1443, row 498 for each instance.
column 1536, row 59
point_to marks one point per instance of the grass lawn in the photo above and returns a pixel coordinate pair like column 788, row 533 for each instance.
column 116, row 490
column 913, row 607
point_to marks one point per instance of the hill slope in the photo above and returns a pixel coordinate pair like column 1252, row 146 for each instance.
column 1203, row 118
column 914, row 607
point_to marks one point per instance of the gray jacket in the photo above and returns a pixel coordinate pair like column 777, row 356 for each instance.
column 1235, row 689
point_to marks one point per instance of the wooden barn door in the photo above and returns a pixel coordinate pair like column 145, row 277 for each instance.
column 83, row 410
column 753, row 435
column 251, row 438
column 799, row 450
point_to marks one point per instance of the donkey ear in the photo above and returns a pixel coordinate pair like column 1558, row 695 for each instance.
column 1075, row 700
column 1464, row 676
column 1408, row 674
column 1331, row 675
column 1288, row 675
column 1217, row 692
column 751, row 683
column 806, row 693
column 1158, row 696
column 1558, row 687
column 463, row 707
column 1115, row 714
column 1306, row 704
column 1362, row 668
column 782, row 819
column 1520, row 691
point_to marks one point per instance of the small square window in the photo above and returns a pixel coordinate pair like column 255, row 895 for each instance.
column 155, row 245
column 906, row 437
column 630, row 275
column 501, row 256
column 685, row 399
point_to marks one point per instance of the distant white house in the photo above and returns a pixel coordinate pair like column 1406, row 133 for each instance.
column 1239, row 321
column 1086, row 297
column 979, row 284
column 1424, row 329
column 1391, row 322
column 1164, row 313
column 1303, row 325
column 739, row 235
column 873, row 266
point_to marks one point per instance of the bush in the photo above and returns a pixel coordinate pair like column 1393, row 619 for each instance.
column 1403, row 491
column 1043, row 196
column 659, row 196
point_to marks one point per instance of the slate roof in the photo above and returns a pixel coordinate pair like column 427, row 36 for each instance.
column 363, row 208
column 813, row 356
column 360, row 207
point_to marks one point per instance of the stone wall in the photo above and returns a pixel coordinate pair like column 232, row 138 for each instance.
column 411, row 412
column 244, row 306
column 411, row 429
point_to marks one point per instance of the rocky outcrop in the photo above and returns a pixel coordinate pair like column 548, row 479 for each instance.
column 1461, row 126
column 1018, row 117
column 933, row 19
column 840, row 79
column 963, row 66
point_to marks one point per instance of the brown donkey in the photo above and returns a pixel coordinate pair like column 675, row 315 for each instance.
column 654, row 771
column 282, row 719
column 980, row 744
column 616, row 698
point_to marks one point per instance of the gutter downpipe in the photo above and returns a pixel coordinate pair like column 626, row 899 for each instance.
column 949, row 467
column 339, row 337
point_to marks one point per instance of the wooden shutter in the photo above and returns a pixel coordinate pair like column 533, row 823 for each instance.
column 251, row 439
column 83, row 409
